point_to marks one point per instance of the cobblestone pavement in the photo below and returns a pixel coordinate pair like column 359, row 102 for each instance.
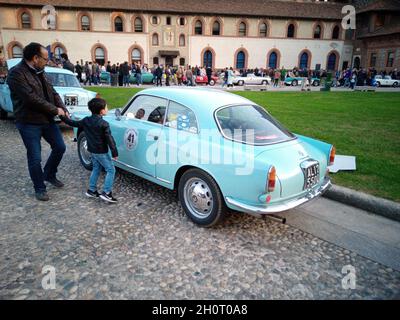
column 145, row 248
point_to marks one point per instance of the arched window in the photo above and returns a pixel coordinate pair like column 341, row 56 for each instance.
column 138, row 25
column 335, row 32
column 303, row 60
column 154, row 20
column 118, row 24
column 242, row 29
column 331, row 62
column 317, row 32
column 198, row 27
column 263, row 30
column 99, row 56
column 182, row 40
column 208, row 59
column 57, row 52
column 154, row 39
column 136, row 56
column 273, row 60
column 240, row 60
column 85, row 23
column 26, row 20
column 16, row 52
column 182, row 61
column 216, row 29
column 290, row 31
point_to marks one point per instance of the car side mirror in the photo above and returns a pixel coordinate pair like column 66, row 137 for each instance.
column 118, row 114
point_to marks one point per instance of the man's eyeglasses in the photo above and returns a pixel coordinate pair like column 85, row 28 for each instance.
column 45, row 59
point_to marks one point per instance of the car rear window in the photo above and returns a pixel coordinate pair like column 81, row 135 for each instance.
column 251, row 124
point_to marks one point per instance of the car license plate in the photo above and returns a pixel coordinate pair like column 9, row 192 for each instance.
column 311, row 174
column 71, row 101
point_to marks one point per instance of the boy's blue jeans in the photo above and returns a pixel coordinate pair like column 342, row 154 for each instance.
column 100, row 160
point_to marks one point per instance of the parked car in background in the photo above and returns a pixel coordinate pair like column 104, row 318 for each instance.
column 182, row 138
column 105, row 77
column 147, row 77
column 204, row 80
column 64, row 82
column 251, row 78
column 294, row 81
column 386, row 81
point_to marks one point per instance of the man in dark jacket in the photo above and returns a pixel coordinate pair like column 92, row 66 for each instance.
column 36, row 103
column 66, row 63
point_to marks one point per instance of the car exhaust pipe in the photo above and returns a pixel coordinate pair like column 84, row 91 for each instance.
column 274, row 218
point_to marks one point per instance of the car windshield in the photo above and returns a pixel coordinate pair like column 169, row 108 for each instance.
column 251, row 124
column 63, row 80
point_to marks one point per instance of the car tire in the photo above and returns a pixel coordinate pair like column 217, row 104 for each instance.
column 212, row 82
column 294, row 83
column 395, row 84
column 264, row 82
column 201, row 198
column 83, row 153
column 316, row 83
column 378, row 84
column 240, row 82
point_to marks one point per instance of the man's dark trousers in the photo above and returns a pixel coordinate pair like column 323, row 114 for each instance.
column 31, row 135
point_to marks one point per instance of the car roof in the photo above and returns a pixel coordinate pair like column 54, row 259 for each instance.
column 13, row 62
column 197, row 98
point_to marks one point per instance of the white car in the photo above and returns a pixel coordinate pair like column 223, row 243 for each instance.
column 251, row 78
column 386, row 81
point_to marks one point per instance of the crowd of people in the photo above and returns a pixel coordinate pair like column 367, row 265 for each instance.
column 120, row 74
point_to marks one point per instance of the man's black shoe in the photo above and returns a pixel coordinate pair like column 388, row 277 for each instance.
column 92, row 194
column 108, row 197
column 55, row 182
column 42, row 196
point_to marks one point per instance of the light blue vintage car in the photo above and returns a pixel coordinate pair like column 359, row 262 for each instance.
column 218, row 150
column 294, row 81
column 64, row 82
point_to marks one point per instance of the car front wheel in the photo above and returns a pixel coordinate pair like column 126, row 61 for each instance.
column 84, row 155
column 378, row 84
column 241, row 82
column 212, row 82
column 294, row 83
column 201, row 198
column 264, row 82
column 395, row 84
column 316, row 83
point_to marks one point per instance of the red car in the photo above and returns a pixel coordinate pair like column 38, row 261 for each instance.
column 204, row 80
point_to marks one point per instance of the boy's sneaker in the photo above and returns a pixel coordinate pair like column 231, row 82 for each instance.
column 92, row 194
column 108, row 197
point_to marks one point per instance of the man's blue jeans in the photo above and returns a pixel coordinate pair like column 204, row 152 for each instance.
column 100, row 160
column 31, row 136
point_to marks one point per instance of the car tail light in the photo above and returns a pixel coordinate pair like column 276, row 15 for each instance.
column 271, row 179
column 332, row 155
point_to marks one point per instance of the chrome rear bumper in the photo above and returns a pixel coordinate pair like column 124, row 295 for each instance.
column 261, row 210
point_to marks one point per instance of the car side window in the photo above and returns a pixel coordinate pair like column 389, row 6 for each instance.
column 181, row 118
column 147, row 108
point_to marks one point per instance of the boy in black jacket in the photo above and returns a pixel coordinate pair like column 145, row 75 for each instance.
column 99, row 140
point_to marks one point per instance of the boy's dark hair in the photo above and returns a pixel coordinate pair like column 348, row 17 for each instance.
column 32, row 50
column 96, row 105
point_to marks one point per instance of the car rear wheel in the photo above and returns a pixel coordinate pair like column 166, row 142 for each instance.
column 294, row 83
column 395, row 84
column 264, row 82
column 84, row 155
column 201, row 198
column 378, row 84
column 316, row 83
column 212, row 82
column 240, row 82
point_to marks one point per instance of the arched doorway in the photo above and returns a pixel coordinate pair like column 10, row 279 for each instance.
column 208, row 59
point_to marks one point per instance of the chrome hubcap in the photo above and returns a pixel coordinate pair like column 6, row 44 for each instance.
column 198, row 198
column 85, row 154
